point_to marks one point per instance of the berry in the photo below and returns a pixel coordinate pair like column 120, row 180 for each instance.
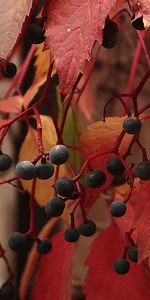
column 133, row 254
column 118, row 209
column 71, row 235
column 143, row 170
column 26, row 170
column 132, row 125
column 64, row 186
column 87, row 228
column 55, row 207
column 109, row 42
column 7, row 291
column 121, row 266
column 115, row 166
column 44, row 171
column 44, row 246
column 5, row 162
column 35, row 33
column 110, row 29
column 59, row 154
column 10, row 70
column 16, row 241
column 95, row 178
column 138, row 23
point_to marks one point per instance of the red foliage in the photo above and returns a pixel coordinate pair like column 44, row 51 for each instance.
column 71, row 30
column 102, row 282
column 53, row 279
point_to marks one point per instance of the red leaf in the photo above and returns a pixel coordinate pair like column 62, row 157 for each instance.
column 11, row 105
column 102, row 282
column 142, row 220
column 53, row 280
column 71, row 30
column 12, row 16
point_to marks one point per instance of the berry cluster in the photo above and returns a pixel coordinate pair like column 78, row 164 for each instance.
column 86, row 228
column 17, row 241
column 122, row 265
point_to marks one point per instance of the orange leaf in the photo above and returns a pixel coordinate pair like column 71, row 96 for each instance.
column 42, row 62
column 101, row 137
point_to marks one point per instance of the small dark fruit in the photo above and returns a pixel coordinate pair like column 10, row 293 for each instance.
column 138, row 23
column 118, row 209
column 55, row 207
column 35, row 33
column 95, row 178
column 44, row 171
column 132, row 125
column 110, row 29
column 5, row 162
column 133, row 254
column 7, row 291
column 143, row 170
column 17, row 241
column 115, row 166
column 44, row 246
column 71, row 235
column 26, row 170
column 10, row 70
column 64, row 186
column 121, row 266
column 109, row 42
column 59, row 154
column 87, row 228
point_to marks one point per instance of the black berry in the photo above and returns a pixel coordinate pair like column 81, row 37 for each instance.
column 5, row 162
column 16, row 241
column 44, row 171
column 110, row 29
column 55, row 207
column 44, row 246
column 121, row 266
column 133, row 254
column 87, row 228
column 132, row 125
column 115, row 166
column 64, row 186
column 10, row 70
column 71, row 235
column 118, row 209
column 138, row 23
column 109, row 42
column 26, row 170
column 95, row 178
column 35, row 33
column 143, row 170
column 59, row 154
column 7, row 291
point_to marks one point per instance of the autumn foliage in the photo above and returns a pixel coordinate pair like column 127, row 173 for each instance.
column 74, row 33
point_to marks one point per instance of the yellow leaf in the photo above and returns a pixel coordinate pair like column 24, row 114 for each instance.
column 29, row 151
column 42, row 62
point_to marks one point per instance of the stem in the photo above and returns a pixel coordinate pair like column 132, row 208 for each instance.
column 142, row 149
column 141, row 39
column 76, row 178
column 122, row 102
column 31, row 231
column 118, row 141
column 131, row 178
